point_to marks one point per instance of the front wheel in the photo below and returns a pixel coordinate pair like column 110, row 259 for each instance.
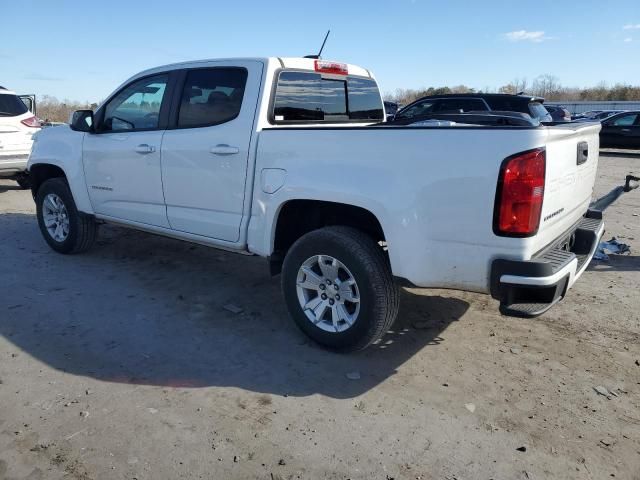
column 339, row 289
column 64, row 228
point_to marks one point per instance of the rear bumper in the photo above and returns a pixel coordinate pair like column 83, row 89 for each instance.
column 530, row 288
column 13, row 164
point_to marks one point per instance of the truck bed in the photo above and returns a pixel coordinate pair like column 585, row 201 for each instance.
column 433, row 189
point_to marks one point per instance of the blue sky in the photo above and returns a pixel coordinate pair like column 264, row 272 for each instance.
column 82, row 50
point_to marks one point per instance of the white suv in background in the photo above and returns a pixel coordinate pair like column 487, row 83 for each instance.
column 18, row 123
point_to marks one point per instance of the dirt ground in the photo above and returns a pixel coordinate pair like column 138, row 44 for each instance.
column 123, row 363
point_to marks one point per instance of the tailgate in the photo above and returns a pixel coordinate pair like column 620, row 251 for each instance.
column 572, row 161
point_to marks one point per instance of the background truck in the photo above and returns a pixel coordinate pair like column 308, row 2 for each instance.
column 286, row 158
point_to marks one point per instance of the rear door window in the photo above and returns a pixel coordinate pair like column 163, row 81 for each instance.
column 211, row 96
column 11, row 105
column 309, row 97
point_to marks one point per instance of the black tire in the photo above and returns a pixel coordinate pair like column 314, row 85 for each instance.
column 24, row 181
column 365, row 259
column 82, row 227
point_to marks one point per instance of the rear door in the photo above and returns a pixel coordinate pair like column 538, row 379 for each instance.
column 622, row 131
column 205, row 153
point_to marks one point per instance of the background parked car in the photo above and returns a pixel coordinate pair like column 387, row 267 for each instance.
column 621, row 131
column 589, row 114
column 559, row 114
column 598, row 116
column 476, row 102
column 18, row 123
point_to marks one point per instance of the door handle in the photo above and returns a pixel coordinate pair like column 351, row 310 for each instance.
column 626, row 129
column 224, row 149
column 143, row 148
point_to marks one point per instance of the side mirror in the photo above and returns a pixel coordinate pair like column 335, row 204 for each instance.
column 82, row 121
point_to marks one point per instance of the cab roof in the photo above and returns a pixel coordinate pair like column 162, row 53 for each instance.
column 300, row 63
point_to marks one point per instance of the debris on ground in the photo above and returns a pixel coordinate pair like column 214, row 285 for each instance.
column 470, row 406
column 602, row 391
column 608, row 441
column 355, row 375
column 522, row 449
column 515, row 350
column 230, row 307
column 611, row 247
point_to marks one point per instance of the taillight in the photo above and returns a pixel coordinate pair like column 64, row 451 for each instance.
column 33, row 122
column 520, row 194
column 331, row 67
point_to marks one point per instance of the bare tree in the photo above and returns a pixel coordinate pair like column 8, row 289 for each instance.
column 52, row 110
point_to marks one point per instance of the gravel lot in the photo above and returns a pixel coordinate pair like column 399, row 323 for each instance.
column 126, row 362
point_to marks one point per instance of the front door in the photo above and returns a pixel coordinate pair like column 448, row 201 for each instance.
column 122, row 158
column 204, row 158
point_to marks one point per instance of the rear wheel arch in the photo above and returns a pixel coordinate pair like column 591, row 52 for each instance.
column 298, row 217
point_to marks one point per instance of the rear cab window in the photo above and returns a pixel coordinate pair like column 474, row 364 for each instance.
column 310, row 97
column 11, row 105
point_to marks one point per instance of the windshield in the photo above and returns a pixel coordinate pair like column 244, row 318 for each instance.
column 11, row 105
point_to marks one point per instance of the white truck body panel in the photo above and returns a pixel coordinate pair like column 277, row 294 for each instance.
column 442, row 212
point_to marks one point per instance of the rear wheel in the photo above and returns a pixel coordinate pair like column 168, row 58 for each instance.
column 64, row 228
column 338, row 287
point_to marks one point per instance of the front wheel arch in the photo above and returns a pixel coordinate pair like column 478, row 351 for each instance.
column 41, row 172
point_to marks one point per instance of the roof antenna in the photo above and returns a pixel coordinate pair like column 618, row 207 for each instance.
column 321, row 48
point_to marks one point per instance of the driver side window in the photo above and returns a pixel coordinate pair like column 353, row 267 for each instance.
column 137, row 106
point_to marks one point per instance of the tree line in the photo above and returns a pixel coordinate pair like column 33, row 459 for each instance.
column 53, row 110
column 547, row 86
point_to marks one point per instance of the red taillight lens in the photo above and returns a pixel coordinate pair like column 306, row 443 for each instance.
column 520, row 194
column 331, row 67
column 33, row 122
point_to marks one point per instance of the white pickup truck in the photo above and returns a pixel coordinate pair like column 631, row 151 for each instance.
column 287, row 158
